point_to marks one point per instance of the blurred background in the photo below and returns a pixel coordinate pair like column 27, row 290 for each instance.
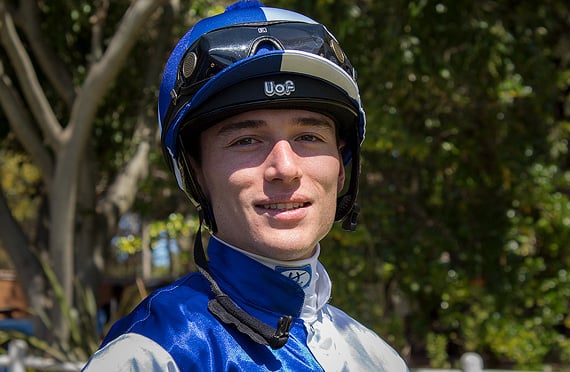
column 464, row 236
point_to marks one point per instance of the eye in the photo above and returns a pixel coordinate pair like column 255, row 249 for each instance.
column 244, row 141
column 309, row 138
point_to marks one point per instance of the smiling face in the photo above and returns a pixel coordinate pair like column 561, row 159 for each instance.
column 272, row 177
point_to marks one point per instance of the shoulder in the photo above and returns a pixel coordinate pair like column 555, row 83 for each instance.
column 149, row 335
column 131, row 352
column 363, row 341
column 165, row 309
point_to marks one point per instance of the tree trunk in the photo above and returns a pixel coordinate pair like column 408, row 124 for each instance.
column 40, row 131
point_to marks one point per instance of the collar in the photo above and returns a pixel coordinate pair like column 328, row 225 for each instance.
column 308, row 273
column 251, row 284
column 303, row 271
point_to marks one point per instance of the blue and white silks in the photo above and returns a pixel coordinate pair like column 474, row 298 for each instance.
column 172, row 329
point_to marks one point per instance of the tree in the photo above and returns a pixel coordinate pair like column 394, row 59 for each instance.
column 465, row 183
column 50, row 97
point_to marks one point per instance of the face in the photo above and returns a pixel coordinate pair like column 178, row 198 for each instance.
column 272, row 177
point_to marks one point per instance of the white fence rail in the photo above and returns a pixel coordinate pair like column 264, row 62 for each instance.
column 17, row 360
column 470, row 362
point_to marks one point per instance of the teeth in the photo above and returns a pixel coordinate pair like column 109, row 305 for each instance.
column 283, row 206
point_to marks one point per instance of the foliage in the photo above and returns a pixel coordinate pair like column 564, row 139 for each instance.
column 81, row 318
column 465, row 177
column 82, row 322
column 20, row 178
column 174, row 234
column 437, row 350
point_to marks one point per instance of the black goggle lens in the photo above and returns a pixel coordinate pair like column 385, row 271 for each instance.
column 220, row 48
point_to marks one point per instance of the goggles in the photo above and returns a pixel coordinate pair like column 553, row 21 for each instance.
column 220, row 48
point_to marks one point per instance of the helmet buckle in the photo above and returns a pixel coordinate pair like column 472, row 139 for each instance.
column 174, row 96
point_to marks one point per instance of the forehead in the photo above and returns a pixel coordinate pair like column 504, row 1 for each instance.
column 277, row 118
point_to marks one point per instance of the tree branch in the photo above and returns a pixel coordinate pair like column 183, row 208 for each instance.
column 27, row 20
column 22, row 126
column 98, row 21
column 121, row 194
column 27, row 78
column 102, row 73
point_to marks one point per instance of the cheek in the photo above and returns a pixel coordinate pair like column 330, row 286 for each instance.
column 331, row 180
column 224, row 187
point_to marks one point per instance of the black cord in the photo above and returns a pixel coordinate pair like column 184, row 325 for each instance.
column 228, row 312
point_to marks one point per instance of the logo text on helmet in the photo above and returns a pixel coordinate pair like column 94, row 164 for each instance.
column 273, row 89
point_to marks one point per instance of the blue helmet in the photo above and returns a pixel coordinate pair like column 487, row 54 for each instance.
column 254, row 57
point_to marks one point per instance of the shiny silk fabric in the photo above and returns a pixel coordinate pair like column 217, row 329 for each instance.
column 172, row 329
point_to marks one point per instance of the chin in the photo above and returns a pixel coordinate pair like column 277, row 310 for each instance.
column 294, row 249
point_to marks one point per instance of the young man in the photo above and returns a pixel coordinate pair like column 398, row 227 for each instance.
column 260, row 118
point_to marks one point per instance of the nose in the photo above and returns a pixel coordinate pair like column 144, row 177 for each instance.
column 282, row 163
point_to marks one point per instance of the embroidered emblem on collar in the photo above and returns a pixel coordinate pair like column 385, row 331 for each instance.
column 301, row 275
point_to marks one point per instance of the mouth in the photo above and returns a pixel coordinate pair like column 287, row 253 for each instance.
column 283, row 206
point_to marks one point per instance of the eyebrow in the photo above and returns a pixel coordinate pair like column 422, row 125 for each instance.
column 241, row 124
column 300, row 121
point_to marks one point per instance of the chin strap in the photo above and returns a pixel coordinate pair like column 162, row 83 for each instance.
column 347, row 208
column 228, row 312
column 351, row 220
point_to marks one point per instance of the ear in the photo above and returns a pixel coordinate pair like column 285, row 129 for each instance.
column 341, row 170
column 198, row 176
